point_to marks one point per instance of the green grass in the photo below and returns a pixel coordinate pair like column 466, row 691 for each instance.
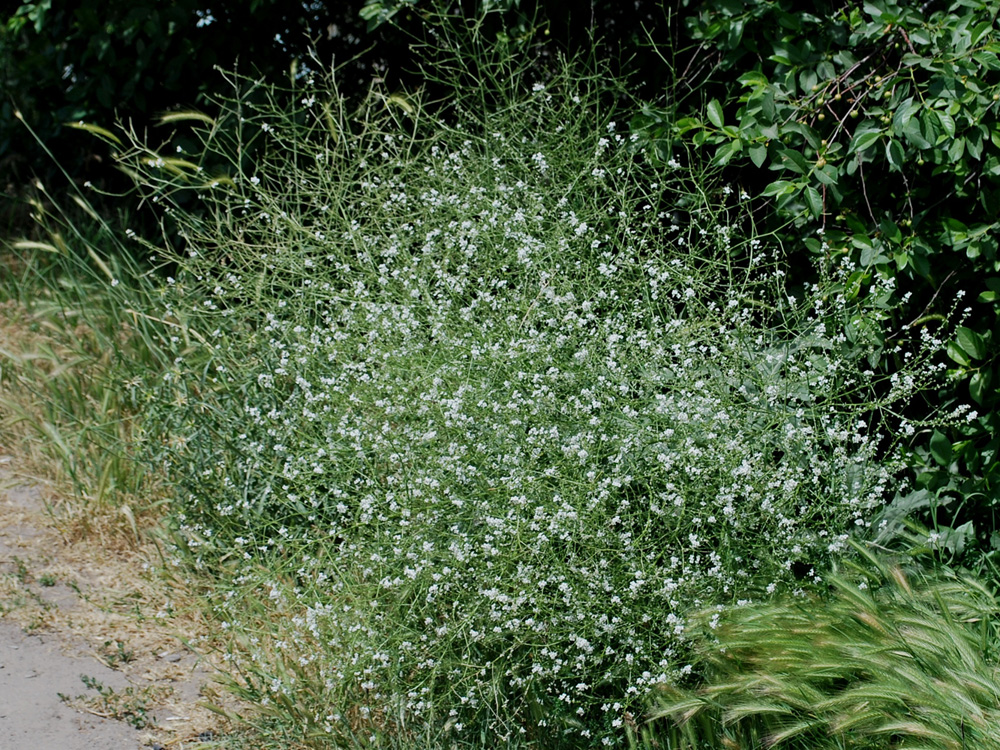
column 461, row 412
column 72, row 334
column 894, row 655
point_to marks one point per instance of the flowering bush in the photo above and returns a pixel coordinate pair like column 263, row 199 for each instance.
column 470, row 412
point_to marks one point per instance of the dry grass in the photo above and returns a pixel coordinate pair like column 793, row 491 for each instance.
column 77, row 559
column 110, row 602
column 60, row 418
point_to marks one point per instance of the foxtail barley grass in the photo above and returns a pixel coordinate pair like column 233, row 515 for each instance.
column 66, row 332
column 893, row 656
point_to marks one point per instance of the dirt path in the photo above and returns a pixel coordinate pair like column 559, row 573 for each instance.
column 34, row 670
column 94, row 653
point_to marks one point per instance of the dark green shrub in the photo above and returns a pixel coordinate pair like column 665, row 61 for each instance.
column 872, row 128
column 102, row 62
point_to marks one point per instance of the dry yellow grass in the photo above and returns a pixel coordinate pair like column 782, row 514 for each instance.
column 90, row 573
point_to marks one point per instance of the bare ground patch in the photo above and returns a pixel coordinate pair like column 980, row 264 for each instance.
column 100, row 609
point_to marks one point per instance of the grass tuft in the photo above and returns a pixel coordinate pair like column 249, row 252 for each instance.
column 887, row 658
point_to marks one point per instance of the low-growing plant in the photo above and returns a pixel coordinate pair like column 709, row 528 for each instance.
column 116, row 653
column 466, row 415
column 131, row 705
column 894, row 654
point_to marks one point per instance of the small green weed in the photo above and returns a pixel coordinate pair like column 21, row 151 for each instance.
column 130, row 705
column 21, row 572
column 115, row 653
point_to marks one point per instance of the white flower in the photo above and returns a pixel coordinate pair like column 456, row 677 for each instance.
column 205, row 18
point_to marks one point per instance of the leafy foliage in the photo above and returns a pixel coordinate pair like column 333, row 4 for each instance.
column 872, row 129
column 63, row 62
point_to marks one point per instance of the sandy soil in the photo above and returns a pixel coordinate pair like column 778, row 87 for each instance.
column 95, row 651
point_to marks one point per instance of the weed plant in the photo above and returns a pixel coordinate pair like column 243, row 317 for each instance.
column 892, row 655
column 131, row 705
column 467, row 413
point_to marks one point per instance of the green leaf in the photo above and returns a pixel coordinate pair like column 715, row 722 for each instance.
column 753, row 78
column 685, row 124
column 814, row 201
column 890, row 231
column 793, row 160
column 904, row 113
column 947, row 123
column 971, row 342
column 827, row 174
column 954, row 232
column 956, row 149
column 758, row 154
column 940, row 447
column 715, row 113
column 779, row 187
column 894, row 152
column 727, row 151
column 868, row 254
column 979, row 385
column 811, row 136
column 874, row 11
column 910, row 59
column 861, row 240
column 957, row 354
column 735, row 33
column 863, row 140
column 974, row 143
column 988, row 60
column 979, row 31
column 808, row 79
column 852, row 288
column 767, row 105
column 917, row 136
